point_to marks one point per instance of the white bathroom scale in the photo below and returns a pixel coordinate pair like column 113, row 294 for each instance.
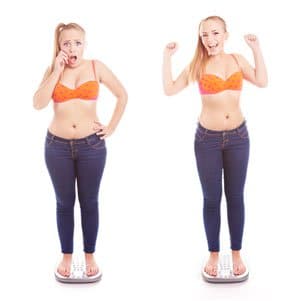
column 78, row 274
column 225, row 272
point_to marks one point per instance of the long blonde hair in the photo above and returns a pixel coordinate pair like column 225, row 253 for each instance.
column 58, row 30
column 200, row 58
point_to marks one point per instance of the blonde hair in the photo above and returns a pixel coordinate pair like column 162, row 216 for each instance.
column 58, row 30
column 200, row 58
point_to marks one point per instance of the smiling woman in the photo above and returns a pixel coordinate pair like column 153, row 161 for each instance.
column 75, row 143
column 221, row 139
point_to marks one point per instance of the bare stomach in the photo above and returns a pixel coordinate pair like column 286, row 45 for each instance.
column 221, row 111
column 74, row 119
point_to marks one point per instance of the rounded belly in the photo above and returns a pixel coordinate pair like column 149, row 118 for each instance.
column 221, row 111
column 74, row 119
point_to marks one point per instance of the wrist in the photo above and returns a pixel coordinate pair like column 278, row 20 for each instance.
column 167, row 55
column 56, row 72
column 255, row 48
column 111, row 128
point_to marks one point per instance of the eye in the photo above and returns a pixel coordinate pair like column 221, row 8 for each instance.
column 215, row 33
column 78, row 43
column 66, row 44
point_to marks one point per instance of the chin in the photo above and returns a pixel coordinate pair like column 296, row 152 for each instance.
column 77, row 63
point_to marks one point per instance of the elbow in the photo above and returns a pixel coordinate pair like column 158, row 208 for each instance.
column 123, row 98
column 262, row 84
column 168, row 91
column 37, row 103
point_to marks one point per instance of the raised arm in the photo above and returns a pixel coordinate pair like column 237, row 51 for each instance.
column 172, row 87
column 115, row 86
column 43, row 94
column 257, row 75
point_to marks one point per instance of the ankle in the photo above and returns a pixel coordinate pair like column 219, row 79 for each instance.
column 89, row 256
column 214, row 254
column 67, row 256
column 236, row 254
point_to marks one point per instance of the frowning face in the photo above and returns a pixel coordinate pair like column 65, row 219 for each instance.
column 71, row 41
column 213, row 36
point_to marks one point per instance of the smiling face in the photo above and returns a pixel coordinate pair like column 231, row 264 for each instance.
column 213, row 35
column 71, row 41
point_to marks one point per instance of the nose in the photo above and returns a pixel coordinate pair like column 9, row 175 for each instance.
column 210, row 38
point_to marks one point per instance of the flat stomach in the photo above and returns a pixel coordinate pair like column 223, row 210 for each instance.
column 74, row 119
column 221, row 111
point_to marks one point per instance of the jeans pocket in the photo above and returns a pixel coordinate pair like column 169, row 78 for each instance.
column 95, row 142
column 48, row 141
column 200, row 135
column 243, row 133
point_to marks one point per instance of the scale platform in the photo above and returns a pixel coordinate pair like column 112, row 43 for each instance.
column 225, row 272
column 78, row 274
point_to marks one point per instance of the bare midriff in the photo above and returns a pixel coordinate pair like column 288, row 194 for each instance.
column 221, row 111
column 74, row 119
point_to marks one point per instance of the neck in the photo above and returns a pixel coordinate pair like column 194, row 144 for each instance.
column 218, row 56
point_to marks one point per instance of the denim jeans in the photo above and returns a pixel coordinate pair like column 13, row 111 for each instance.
column 217, row 151
column 82, row 161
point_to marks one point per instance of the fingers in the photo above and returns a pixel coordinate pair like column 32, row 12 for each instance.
column 64, row 56
column 250, row 37
column 101, row 130
column 98, row 126
column 171, row 47
column 103, row 133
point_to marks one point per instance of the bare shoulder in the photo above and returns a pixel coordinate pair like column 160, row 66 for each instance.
column 100, row 66
column 101, row 69
column 240, row 58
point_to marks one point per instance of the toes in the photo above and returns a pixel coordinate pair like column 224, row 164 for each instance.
column 211, row 270
column 63, row 271
column 214, row 271
column 235, row 270
column 239, row 269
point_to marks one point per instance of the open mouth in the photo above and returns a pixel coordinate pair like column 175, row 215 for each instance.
column 73, row 59
column 213, row 46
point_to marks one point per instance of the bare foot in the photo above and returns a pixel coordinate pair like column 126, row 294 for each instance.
column 238, row 265
column 91, row 265
column 64, row 268
column 211, row 267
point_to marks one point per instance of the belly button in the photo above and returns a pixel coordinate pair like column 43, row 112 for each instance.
column 74, row 126
column 227, row 116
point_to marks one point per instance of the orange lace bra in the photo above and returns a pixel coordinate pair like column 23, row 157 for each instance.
column 87, row 91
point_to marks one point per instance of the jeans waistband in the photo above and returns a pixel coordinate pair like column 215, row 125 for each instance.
column 74, row 141
column 233, row 131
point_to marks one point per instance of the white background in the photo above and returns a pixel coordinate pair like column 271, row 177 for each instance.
column 151, row 242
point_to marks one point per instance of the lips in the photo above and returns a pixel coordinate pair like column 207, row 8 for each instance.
column 73, row 59
column 213, row 46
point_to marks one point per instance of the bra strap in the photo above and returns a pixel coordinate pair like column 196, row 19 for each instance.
column 93, row 64
column 236, row 60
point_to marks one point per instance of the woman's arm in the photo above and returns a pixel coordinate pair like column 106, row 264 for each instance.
column 115, row 86
column 172, row 87
column 43, row 95
column 258, row 75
